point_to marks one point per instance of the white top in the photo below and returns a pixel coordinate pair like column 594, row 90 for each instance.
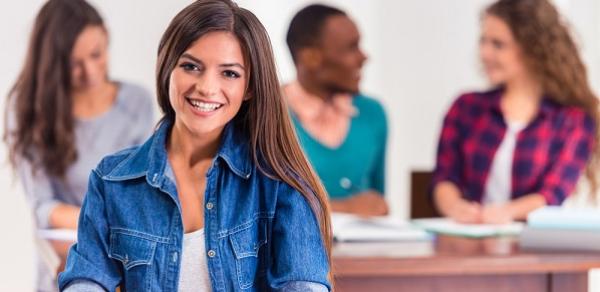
column 498, row 186
column 193, row 274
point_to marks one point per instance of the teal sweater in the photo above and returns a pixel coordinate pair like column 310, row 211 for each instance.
column 358, row 164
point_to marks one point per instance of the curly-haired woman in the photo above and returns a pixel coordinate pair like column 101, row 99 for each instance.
column 524, row 143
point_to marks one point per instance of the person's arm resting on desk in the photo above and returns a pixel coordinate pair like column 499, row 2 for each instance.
column 449, row 202
column 49, row 212
column 447, row 195
column 369, row 203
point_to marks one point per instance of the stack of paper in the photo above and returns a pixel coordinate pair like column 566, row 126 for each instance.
column 556, row 228
column 347, row 227
column 450, row 227
column 555, row 217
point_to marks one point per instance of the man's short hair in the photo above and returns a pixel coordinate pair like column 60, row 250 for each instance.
column 306, row 26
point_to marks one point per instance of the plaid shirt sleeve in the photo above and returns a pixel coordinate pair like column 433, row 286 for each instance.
column 448, row 162
column 579, row 137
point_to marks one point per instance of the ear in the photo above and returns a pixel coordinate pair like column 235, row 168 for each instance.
column 310, row 57
column 247, row 97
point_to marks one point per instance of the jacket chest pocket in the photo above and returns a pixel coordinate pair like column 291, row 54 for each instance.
column 248, row 247
column 135, row 252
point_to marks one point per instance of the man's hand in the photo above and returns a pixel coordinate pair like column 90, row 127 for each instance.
column 366, row 204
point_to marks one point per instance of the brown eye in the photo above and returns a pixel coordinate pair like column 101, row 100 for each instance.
column 96, row 55
column 497, row 44
column 189, row 67
column 231, row 74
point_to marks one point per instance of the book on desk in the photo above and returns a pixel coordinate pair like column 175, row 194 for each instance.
column 448, row 226
column 348, row 227
column 557, row 228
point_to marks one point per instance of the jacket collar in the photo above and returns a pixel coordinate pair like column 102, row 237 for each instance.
column 150, row 159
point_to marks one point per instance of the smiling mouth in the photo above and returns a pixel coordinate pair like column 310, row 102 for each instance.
column 203, row 106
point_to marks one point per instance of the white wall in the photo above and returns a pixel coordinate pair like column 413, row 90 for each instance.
column 16, row 247
column 422, row 54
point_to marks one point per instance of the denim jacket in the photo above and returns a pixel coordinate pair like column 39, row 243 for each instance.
column 260, row 233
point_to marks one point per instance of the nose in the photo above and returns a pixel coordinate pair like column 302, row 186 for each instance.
column 207, row 85
column 88, row 71
column 485, row 50
column 363, row 57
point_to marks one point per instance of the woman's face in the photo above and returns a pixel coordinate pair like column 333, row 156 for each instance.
column 499, row 52
column 208, row 84
column 89, row 59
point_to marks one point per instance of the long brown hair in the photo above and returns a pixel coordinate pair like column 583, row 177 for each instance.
column 263, row 117
column 552, row 56
column 41, row 129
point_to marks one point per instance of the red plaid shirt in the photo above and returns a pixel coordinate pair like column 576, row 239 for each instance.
column 549, row 156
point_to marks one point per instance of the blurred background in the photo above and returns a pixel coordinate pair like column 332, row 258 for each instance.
column 422, row 54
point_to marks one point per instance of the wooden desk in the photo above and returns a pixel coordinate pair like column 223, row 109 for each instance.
column 458, row 264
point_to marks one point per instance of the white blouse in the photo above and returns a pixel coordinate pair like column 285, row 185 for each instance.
column 193, row 274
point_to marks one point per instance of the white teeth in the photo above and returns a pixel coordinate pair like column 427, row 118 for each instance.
column 204, row 106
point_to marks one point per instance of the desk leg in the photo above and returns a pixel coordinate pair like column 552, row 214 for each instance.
column 568, row 282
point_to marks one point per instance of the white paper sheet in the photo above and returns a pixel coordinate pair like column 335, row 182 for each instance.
column 347, row 227
column 450, row 227
column 58, row 234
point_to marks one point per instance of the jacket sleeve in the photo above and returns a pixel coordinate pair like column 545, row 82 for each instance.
column 299, row 257
column 83, row 286
column 88, row 260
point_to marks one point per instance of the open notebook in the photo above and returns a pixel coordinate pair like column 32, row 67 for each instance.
column 347, row 227
column 450, row 227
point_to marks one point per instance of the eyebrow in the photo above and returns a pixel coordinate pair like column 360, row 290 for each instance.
column 188, row 56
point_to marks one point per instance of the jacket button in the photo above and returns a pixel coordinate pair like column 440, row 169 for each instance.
column 209, row 206
column 211, row 253
column 345, row 183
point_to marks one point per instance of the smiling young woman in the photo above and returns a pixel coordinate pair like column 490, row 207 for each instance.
column 221, row 197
